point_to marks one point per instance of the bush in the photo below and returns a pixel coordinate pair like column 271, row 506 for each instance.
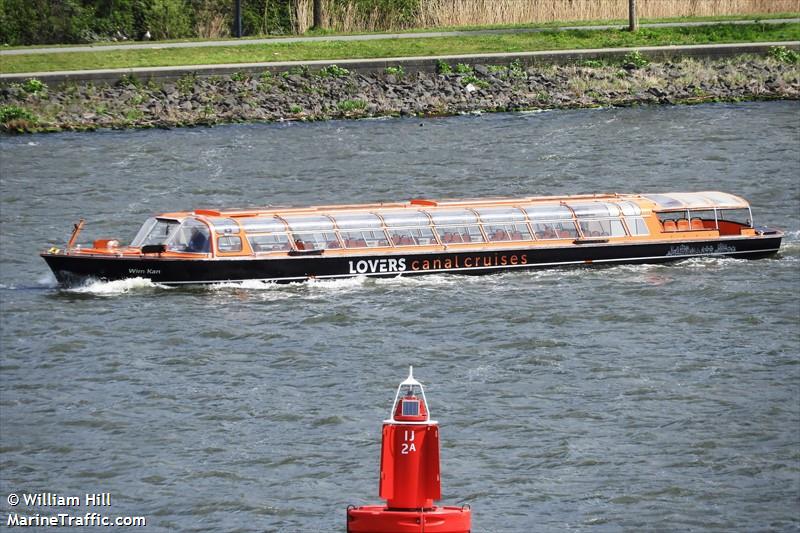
column 33, row 86
column 168, row 19
column 333, row 71
column 395, row 71
column 351, row 105
column 634, row 60
column 443, row 67
column 12, row 112
column 784, row 55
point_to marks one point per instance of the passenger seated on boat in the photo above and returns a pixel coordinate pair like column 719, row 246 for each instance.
column 669, row 225
column 499, row 235
column 300, row 244
column 683, row 225
column 332, row 244
column 516, row 236
column 563, row 234
column 198, row 243
column 696, row 223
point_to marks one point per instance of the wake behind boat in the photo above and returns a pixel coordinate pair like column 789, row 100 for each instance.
column 477, row 236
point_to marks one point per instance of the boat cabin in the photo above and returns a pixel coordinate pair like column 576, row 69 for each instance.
column 447, row 223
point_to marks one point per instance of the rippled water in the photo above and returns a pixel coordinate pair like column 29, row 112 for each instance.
column 626, row 398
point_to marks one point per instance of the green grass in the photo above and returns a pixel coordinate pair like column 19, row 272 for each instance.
column 337, row 50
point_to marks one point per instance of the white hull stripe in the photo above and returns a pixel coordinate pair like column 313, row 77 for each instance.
column 504, row 267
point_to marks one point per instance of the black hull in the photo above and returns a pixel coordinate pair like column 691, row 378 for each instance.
column 70, row 269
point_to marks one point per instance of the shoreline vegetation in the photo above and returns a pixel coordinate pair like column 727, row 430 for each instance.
column 36, row 22
column 335, row 93
column 382, row 48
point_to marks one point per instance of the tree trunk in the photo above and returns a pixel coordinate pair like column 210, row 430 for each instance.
column 632, row 18
column 318, row 15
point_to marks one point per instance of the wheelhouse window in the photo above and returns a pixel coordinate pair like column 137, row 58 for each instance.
column 457, row 226
column 156, row 231
column 192, row 236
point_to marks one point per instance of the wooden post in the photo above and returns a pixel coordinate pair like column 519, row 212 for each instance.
column 633, row 20
column 317, row 15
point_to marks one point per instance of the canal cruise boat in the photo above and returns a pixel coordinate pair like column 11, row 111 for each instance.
column 421, row 236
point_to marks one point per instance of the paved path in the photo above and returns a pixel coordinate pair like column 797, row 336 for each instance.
column 367, row 37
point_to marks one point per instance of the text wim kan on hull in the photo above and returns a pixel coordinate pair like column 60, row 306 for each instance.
column 49, row 499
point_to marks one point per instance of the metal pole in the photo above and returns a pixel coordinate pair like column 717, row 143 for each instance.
column 237, row 18
column 633, row 20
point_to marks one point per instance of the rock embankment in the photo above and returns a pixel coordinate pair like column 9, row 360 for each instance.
column 336, row 93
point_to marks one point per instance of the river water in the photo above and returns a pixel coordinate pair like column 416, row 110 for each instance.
column 625, row 398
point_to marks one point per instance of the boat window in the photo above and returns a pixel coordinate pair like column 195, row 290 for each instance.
column 637, row 226
column 672, row 215
column 738, row 216
column 273, row 242
column 664, row 200
column 364, row 238
column 193, row 236
column 229, row 243
column 629, row 208
column 702, row 219
column 548, row 212
column 411, row 236
column 317, row 240
column 225, row 226
column 453, row 217
column 595, row 209
column 405, row 218
column 262, row 225
column 554, row 229
column 309, row 223
column 507, row 232
column 357, row 221
column 458, row 234
column 156, row 231
column 501, row 214
column 610, row 227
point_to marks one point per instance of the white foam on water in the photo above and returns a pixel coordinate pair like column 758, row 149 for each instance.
column 336, row 284
column 120, row 286
column 250, row 284
column 706, row 262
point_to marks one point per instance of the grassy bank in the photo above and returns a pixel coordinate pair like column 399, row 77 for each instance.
column 333, row 50
column 337, row 93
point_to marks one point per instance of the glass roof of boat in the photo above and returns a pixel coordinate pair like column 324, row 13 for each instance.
column 694, row 200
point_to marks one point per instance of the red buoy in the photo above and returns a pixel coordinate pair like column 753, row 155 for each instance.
column 409, row 480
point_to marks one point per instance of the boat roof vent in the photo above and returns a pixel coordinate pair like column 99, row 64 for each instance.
column 423, row 202
column 207, row 212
